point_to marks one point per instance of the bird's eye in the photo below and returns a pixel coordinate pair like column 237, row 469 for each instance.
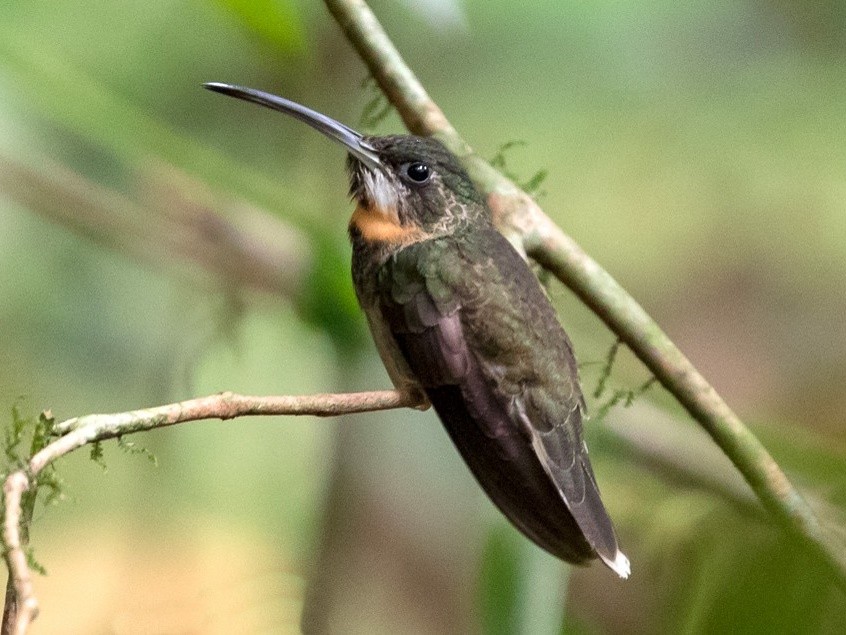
column 418, row 172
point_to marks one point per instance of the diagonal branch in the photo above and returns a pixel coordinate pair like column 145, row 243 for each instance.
column 22, row 605
column 519, row 217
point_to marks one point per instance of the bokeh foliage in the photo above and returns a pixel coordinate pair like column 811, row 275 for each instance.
column 694, row 149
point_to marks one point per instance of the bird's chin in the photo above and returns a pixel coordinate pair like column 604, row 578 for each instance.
column 380, row 191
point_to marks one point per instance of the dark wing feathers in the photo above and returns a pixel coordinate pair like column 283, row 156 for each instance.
column 432, row 343
column 565, row 460
column 482, row 339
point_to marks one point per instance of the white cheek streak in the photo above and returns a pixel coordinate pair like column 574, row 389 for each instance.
column 381, row 191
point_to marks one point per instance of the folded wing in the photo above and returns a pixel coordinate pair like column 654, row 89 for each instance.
column 483, row 340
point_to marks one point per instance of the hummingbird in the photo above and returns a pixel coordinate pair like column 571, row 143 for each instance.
column 459, row 318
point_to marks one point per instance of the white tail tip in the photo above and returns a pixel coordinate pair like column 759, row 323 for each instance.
column 620, row 565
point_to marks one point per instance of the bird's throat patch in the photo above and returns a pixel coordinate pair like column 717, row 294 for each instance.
column 382, row 226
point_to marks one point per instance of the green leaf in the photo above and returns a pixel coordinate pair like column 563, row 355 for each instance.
column 770, row 585
column 328, row 302
column 500, row 582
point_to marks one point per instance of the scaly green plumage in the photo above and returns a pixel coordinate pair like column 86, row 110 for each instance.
column 472, row 325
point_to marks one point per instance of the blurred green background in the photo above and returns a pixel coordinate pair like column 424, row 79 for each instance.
column 159, row 242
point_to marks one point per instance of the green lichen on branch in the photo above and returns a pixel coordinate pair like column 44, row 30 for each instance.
column 96, row 455
column 626, row 396
column 530, row 186
column 377, row 107
column 607, row 367
column 130, row 447
column 23, row 438
column 32, row 563
column 13, row 435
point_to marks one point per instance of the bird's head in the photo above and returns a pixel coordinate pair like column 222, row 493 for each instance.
column 407, row 188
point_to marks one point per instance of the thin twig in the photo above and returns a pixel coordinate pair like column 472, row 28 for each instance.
column 81, row 431
column 258, row 253
column 520, row 218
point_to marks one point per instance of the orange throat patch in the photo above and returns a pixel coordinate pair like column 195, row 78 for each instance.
column 381, row 227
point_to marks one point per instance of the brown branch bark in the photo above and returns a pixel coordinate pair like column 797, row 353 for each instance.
column 21, row 603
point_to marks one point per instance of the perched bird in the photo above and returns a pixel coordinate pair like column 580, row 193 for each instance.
column 458, row 316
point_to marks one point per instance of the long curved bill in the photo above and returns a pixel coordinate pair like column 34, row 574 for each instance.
column 335, row 130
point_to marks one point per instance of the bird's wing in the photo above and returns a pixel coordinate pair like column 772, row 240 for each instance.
column 473, row 316
column 564, row 457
